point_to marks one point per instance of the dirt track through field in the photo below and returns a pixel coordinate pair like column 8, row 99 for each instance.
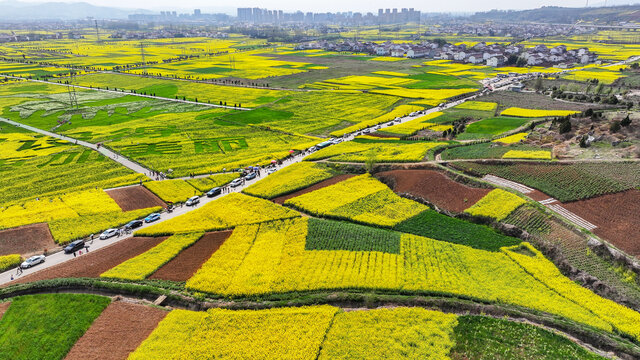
column 3, row 308
column 183, row 266
column 26, row 240
column 435, row 187
column 334, row 180
column 117, row 332
column 94, row 263
column 134, row 198
column 617, row 217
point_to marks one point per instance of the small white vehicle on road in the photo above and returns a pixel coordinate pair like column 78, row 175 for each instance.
column 108, row 234
column 193, row 201
column 32, row 261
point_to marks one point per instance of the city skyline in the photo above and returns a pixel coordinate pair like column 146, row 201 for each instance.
column 453, row 6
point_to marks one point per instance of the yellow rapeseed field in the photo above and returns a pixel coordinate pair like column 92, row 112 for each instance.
column 497, row 204
column 520, row 112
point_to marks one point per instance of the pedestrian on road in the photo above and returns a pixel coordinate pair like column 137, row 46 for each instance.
column 74, row 254
column 11, row 277
column 86, row 247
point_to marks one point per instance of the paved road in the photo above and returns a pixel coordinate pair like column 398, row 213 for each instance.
column 104, row 151
column 61, row 257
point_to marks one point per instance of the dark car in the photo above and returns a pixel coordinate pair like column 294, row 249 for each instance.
column 213, row 192
column 251, row 176
column 74, row 246
column 133, row 224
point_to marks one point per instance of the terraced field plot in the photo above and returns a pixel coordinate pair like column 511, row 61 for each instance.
column 246, row 65
column 160, row 135
column 215, row 94
column 565, row 182
column 491, row 127
column 115, row 54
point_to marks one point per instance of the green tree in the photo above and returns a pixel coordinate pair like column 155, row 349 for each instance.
column 538, row 85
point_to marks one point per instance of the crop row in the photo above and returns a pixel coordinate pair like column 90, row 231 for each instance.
column 361, row 199
column 565, row 182
column 532, row 113
column 272, row 258
column 225, row 213
column 363, row 150
column 497, row 204
column 145, row 264
column 290, row 179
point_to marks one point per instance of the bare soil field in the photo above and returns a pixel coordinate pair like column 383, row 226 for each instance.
column 3, row 308
column 434, row 187
column 135, row 197
column 538, row 195
column 183, row 266
column 617, row 217
column 530, row 101
column 94, row 263
column 26, row 240
column 334, row 180
column 118, row 331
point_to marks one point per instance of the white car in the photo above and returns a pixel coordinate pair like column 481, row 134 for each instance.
column 235, row 183
column 108, row 234
column 32, row 261
column 193, row 201
column 271, row 171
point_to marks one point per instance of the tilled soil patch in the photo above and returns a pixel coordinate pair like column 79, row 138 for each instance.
column 96, row 262
column 617, row 217
column 435, row 187
column 334, row 180
column 134, row 198
column 538, row 195
column 26, row 240
column 3, row 308
column 117, row 332
column 183, row 266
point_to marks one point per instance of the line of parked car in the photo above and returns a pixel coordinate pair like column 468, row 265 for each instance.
column 77, row 245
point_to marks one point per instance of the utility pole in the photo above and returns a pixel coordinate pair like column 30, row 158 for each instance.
column 97, row 32
column 73, row 99
column 144, row 62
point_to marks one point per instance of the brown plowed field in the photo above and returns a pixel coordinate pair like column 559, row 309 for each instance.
column 435, row 187
column 118, row 331
column 538, row 195
column 26, row 240
column 134, row 198
column 3, row 308
column 183, row 266
column 617, row 217
column 334, row 180
column 96, row 262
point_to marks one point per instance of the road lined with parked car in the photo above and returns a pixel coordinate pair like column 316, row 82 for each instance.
column 111, row 236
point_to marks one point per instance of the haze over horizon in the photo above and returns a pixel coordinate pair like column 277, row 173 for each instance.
column 456, row 6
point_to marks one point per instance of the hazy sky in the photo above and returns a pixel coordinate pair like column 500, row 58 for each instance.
column 336, row 5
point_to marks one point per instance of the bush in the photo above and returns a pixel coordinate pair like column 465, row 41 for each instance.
column 615, row 126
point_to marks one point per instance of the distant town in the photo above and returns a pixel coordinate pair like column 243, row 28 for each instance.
column 481, row 53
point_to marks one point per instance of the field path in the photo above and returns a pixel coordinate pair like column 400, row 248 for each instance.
column 104, row 151
column 133, row 94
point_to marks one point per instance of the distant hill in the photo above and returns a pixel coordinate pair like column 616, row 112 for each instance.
column 554, row 14
column 14, row 10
